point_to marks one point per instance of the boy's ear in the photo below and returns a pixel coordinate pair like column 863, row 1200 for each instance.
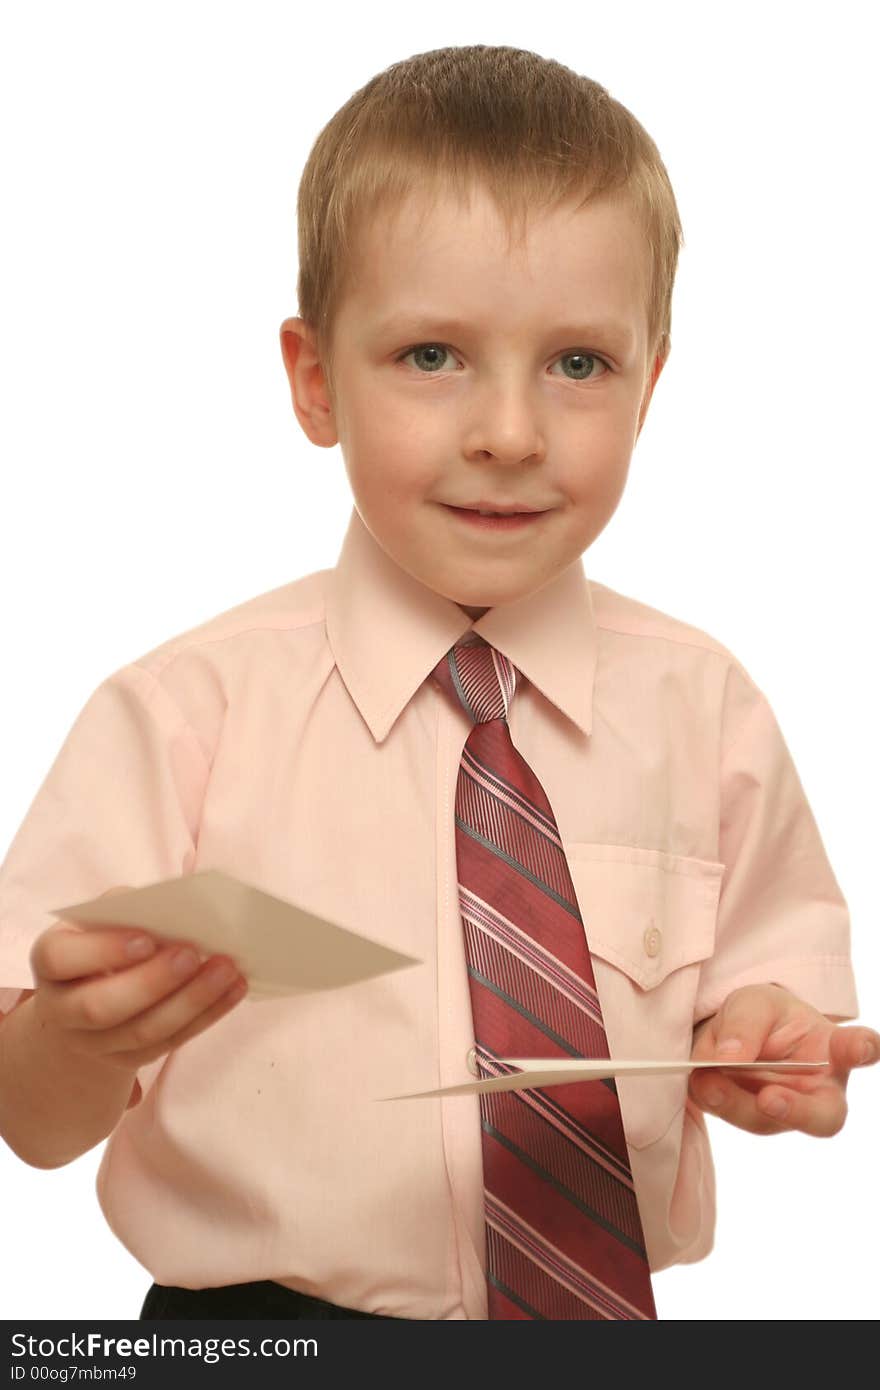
column 660, row 361
column 308, row 386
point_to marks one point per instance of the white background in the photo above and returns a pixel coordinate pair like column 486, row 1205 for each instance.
column 154, row 473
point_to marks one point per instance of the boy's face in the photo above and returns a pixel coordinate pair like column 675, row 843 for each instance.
column 465, row 375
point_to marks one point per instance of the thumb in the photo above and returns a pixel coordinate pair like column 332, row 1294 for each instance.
column 745, row 1020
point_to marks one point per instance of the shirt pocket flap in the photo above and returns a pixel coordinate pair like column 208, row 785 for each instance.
column 646, row 911
column 650, row 920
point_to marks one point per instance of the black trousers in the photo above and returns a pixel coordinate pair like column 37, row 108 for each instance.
column 262, row 1299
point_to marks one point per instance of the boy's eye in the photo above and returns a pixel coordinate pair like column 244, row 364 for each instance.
column 431, row 353
column 584, row 368
column 585, row 365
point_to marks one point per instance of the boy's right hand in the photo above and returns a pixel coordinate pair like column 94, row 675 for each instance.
column 127, row 1010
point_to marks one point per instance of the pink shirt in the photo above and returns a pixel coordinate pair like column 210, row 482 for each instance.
column 296, row 743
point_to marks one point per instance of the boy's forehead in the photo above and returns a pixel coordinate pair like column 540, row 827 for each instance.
column 431, row 257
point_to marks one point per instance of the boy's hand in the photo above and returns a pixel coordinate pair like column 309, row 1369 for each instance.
column 771, row 1022
column 106, row 1004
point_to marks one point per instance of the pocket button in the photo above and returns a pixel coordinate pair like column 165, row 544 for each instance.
column 652, row 940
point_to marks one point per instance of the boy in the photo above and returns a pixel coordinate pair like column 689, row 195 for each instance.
column 301, row 743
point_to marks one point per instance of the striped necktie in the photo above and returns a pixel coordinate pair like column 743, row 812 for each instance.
column 563, row 1233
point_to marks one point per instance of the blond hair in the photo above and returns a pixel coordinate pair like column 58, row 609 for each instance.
column 531, row 132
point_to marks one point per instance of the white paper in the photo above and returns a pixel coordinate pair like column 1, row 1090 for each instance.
column 535, row 1071
column 280, row 948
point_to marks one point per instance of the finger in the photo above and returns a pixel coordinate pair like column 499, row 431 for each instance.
column 852, row 1047
column 821, row 1113
column 745, row 1022
column 68, row 952
column 100, row 1003
column 49, row 954
column 190, row 1009
column 167, row 1043
column 755, row 1081
column 705, row 1041
column 725, row 1099
column 707, row 1085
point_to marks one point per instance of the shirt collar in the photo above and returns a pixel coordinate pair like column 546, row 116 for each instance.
column 387, row 631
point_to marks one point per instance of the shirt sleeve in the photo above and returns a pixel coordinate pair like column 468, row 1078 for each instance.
column 120, row 805
column 782, row 918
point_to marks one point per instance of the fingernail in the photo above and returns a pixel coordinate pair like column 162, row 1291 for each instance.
column 729, row 1045
column 867, row 1053
column 222, row 972
column 139, row 947
column 184, row 962
column 777, row 1107
column 713, row 1096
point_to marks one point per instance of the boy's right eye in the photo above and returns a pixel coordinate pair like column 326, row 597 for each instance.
column 433, row 352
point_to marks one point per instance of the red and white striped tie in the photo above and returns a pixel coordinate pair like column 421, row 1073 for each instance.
column 563, row 1233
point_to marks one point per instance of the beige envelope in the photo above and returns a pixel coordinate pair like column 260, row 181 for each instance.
column 538, row 1071
column 281, row 948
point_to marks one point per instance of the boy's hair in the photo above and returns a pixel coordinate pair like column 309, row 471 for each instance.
column 531, row 132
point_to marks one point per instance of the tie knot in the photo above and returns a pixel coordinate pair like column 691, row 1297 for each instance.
column 479, row 678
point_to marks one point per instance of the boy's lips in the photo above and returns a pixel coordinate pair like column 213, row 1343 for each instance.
column 512, row 521
column 496, row 508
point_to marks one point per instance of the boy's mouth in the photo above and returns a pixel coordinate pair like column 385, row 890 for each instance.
column 489, row 508
column 494, row 521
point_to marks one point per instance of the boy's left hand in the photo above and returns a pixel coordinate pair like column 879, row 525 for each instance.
column 772, row 1023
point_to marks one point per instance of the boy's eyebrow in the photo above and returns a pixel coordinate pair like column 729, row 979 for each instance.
column 420, row 323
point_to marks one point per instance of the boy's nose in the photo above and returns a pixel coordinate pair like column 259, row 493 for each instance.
column 506, row 425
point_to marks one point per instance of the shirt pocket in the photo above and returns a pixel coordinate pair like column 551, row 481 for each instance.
column 650, row 920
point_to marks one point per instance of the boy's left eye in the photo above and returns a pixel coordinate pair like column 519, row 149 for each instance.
column 586, row 362
column 589, row 361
